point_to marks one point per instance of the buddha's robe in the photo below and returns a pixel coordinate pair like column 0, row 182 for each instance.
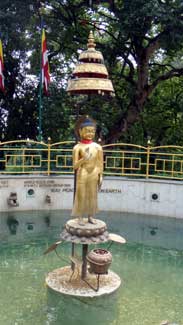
column 87, row 178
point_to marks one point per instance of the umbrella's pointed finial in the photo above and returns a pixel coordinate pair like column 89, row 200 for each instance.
column 91, row 41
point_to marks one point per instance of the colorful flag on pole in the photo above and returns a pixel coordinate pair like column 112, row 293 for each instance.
column 1, row 67
column 45, row 64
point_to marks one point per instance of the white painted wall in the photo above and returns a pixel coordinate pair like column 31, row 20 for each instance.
column 117, row 194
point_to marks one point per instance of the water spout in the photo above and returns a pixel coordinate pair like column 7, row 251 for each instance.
column 12, row 200
column 48, row 199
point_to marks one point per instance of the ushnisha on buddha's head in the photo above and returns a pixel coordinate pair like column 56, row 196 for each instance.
column 85, row 128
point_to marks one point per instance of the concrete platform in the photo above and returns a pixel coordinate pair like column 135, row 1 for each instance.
column 59, row 280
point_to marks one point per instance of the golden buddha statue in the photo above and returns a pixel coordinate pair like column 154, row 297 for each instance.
column 88, row 164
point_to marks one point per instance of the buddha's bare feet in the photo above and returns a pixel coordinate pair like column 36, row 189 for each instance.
column 81, row 222
column 91, row 220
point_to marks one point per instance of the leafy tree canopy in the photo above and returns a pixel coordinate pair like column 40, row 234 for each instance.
column 142, row 44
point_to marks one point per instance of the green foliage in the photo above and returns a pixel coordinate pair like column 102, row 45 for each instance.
column 142, row 44
column 163, row 114
column 57, row 116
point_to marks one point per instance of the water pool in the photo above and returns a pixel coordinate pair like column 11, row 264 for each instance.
column 151, row 291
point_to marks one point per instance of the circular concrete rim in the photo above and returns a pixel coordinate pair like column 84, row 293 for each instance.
column 112, row 279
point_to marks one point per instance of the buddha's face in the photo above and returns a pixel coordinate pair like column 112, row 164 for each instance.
column 87, row 133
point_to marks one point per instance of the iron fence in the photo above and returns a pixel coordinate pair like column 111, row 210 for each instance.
column 120, row 159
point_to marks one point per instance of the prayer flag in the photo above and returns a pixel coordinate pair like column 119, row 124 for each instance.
column 45, row 64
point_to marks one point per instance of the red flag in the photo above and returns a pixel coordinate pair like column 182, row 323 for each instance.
column 45, row 64
column 1, row 67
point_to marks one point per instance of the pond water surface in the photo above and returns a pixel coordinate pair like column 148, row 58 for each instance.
column 151, row 291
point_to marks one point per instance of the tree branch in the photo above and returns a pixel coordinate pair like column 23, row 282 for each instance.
column 170, row 74
column 102, row 29
column 161, row 65
column 130, row 76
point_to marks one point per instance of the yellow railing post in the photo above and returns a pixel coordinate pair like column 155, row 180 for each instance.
column 23, row 160
column 123, row 163
column 49, row 156
column 172, row 173
column 147, row 160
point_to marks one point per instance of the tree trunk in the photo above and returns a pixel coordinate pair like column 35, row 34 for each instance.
column 135, row 107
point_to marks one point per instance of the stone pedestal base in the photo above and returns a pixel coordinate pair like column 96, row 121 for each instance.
column 87, row 233
column 63, row 281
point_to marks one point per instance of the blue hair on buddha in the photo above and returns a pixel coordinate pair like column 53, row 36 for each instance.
column 87, row 122
column 82, row 122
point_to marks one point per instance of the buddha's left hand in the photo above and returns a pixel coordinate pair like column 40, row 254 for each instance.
column 100, row 179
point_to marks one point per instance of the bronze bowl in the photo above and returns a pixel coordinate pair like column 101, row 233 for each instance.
column 99, row 260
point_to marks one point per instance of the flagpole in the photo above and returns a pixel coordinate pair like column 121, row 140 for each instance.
column 40, row 89
column 1, row 66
